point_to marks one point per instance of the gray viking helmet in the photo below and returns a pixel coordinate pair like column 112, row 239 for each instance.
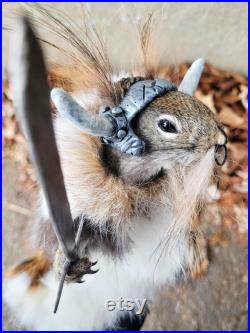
column 113, row 124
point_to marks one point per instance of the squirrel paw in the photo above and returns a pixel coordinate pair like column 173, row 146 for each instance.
column 76, row 270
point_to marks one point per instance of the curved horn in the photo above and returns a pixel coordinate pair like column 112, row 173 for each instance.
column 191, row 79
column 88, row 122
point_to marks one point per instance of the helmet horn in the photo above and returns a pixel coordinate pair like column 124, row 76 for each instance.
column 91, row 123
column 191, row 79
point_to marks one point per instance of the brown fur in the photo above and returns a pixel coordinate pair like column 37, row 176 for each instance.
column 86, row 177
column 35, row 267
column 199, row 124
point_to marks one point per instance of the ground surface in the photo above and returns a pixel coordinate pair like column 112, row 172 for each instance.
column 217, row 301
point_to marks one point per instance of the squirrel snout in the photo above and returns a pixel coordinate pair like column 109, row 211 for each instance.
column 222, row 137
column 220, row 147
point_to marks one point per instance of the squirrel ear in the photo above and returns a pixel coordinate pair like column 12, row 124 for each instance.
column 191, row 79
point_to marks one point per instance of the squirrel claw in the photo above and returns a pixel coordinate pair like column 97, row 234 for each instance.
column 76, row 269
column 91, row 271
column 94, row 263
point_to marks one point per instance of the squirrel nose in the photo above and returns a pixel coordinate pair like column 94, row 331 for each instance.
column 220, row 154
column 222, row 137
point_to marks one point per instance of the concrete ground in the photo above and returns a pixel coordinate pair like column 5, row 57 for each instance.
column 217, row 301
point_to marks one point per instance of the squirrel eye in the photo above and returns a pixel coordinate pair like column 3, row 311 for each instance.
column 167, row 126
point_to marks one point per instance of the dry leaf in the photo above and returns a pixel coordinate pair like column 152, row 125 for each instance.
column 207, row 100
column 244, row 96
column 221, row 238
column 241, row 214
column 230, row 118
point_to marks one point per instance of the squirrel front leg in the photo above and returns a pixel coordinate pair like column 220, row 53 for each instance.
column 93, row 191
column 76, row 270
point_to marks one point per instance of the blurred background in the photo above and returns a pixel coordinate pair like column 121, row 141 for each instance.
column 215, row 296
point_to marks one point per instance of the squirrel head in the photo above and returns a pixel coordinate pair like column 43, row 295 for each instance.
column 177, row 129
column 180, row 126
column 156, row 123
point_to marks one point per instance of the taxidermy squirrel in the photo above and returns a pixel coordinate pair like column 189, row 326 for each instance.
column 139, row 191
